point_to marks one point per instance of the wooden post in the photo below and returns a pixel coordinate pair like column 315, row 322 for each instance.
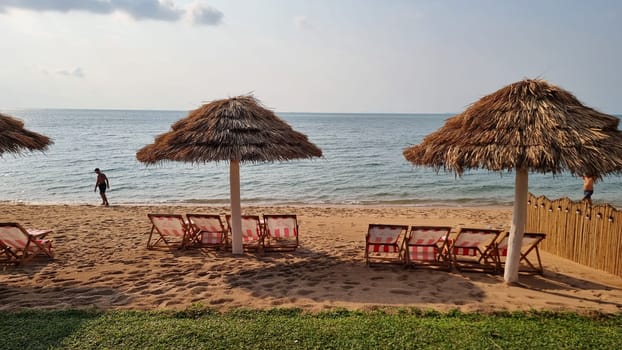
column 236, row 209
column 518, row 226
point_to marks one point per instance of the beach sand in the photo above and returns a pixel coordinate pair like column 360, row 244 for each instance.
column 102, row 262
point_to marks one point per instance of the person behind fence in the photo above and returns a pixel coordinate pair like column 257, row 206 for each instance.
column 102, row 183
column 588, row 188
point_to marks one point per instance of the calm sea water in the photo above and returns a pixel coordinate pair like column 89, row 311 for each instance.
column 362, row 164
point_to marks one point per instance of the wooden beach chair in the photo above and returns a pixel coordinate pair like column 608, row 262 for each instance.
column 281, row 232
column 210, row 231
column 530, row 243
column 472, row 248
column 428, row 246
column 252, row 231
column 18, row 244
column 382, row 243
column 172, row 230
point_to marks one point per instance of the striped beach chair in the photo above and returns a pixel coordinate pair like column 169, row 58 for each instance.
column 281, row 232
column 210, row 231
column 530, row 243
column 472, row 248
column 428, row 246
column 382, row 243
column 172, row 230
column 252, row 231
column 18, row 244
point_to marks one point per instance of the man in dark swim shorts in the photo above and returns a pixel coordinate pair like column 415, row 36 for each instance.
column 102, row 183
column 588, row 188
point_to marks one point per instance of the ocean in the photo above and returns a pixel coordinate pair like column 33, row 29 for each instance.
column 362, row 165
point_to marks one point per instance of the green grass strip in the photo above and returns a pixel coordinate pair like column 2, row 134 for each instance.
column 198, row 328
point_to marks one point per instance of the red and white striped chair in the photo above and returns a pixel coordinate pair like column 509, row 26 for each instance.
column 210, row 231
column 281, row 232
column 172, row 230
column 530, row 242
column 428, row 246
column 472, row 248
column 382, row 242
column 252, row 231
column 18, row 244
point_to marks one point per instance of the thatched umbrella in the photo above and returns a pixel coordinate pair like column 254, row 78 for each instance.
column 530, row 125
column 15, row 139
column 237, row 129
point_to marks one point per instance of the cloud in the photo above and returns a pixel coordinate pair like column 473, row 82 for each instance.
column 96, row 6
column 201, row 13
column 302, row 23
column 74, row 73
column 162, row 10
column 149, row 9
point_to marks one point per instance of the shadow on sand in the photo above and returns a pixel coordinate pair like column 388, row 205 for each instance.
column 332, row 279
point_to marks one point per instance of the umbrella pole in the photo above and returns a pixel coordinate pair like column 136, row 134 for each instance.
column 236, row 210
column 519, row 216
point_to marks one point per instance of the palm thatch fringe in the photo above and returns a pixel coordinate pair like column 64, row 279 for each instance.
column 15, row 139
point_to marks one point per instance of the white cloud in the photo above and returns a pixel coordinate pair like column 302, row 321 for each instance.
column 74, row 73
column 302, row 23
column 162, row 10
column 202, row 14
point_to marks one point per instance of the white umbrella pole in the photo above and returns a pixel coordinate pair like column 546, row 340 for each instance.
column 519, row 217
column 236, row 210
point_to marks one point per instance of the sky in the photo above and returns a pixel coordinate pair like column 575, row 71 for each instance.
column 334, row 56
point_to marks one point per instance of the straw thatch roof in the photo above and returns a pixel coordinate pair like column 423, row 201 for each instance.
column 15, row 139
column 237, row 128
column 531, row 124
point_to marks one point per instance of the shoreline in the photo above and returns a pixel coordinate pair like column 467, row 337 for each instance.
column 263, row 205
column 102, row 262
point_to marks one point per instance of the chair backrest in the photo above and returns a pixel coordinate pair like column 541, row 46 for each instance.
column 210, row 227
column 384, row 234
column 428, row 235
column 474, row 237
column 168, row 224
column 251, row 228
column 281, row 226
column 207, row 222
column 529, row 240
column 13, row 235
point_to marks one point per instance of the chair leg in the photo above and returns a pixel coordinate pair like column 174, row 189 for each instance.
column 541, row 269
column 523, row 257
column 149, row 246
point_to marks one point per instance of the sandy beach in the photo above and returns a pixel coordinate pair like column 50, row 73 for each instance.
column 102, row 262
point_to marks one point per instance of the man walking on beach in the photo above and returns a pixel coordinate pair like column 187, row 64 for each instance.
column 588, row 188
column 103, row 184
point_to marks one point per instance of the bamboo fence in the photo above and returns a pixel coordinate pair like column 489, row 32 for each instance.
column 591, row 236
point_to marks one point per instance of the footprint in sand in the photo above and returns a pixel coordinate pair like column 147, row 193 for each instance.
column 269, row 285
column 220, row 301
column 401, row 291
